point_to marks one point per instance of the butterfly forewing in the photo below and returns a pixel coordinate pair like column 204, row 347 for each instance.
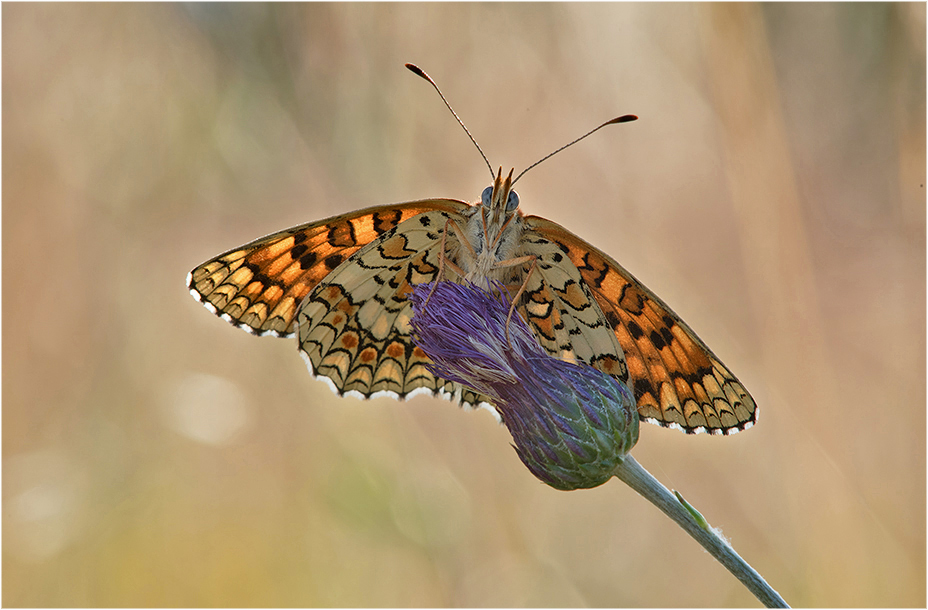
column 678, row 381
column 259, row 287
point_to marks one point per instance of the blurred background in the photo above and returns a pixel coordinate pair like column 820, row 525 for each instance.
column 773, row 193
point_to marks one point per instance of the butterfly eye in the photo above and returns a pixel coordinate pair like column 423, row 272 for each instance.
column 513, row 201
column 485, row 197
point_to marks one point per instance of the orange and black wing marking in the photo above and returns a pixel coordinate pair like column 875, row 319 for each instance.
column 678, row 381
column 260, row 286
column 353, row 328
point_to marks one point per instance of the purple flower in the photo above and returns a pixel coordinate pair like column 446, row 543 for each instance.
column 572, row 424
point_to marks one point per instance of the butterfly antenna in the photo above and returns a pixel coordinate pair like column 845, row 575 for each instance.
column 627, row 118
column 420, row 72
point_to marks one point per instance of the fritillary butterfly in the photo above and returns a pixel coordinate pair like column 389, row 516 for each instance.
column 341, row 285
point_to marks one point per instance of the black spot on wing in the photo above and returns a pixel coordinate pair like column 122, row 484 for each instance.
column 666, row 335
column 612, row 318
column 657, row 340
column 634, row 330
column 643, row 386
column 298, row 251
column 266, row 281
column 308, row 260
column 332, row 261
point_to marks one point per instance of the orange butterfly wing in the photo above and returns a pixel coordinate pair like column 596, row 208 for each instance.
column 260, row 286
column 678, row 381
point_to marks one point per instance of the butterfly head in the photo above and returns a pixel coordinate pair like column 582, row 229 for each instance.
column 499, row 201
column 493, row 232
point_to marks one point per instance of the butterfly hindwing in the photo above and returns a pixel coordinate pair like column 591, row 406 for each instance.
column 562, row 310
column 678, row 381
column 259, row 286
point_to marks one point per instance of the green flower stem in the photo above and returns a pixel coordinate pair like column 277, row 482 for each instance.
column 687, row 517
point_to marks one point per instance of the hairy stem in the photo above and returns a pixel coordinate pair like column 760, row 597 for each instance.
column 674, row 506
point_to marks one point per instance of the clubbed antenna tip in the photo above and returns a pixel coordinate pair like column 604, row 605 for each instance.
column 417, row 70
column 625, row 118
column 420, row 72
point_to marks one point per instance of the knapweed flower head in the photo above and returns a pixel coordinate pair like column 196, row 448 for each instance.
column 571, row 424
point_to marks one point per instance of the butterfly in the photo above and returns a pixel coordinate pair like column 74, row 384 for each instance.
column 340, row 285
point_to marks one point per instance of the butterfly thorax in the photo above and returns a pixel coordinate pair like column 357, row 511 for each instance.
column 493, row 232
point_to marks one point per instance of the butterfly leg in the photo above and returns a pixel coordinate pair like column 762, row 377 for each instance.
column 442, row 259
column 514, row 262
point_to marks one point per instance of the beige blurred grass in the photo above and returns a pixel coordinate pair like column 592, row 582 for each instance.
column 772, row 193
